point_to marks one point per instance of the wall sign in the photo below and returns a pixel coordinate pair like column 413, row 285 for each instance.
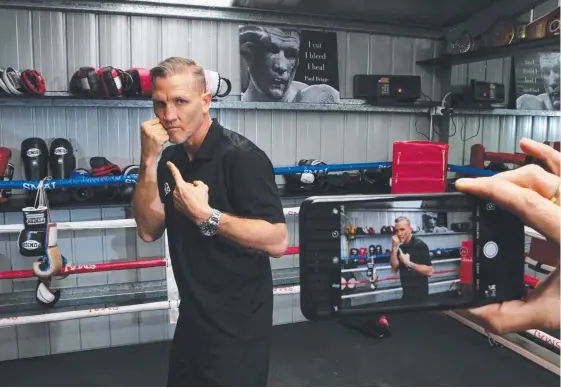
column 288, row 65
column 536, row 78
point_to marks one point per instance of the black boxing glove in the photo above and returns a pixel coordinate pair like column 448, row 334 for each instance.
column 61, row 163
column 103, row 167
column 31, row 240
column 81, row 194
column 127, row 189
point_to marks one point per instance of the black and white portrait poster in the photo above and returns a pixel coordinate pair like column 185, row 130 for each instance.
column 537, row 81
column 288, row 65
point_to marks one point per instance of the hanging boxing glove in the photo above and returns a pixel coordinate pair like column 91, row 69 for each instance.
column 31, row 240
column 53, row 260
column 44, row 295
column 61, row 162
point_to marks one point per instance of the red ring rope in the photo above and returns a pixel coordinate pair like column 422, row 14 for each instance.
column 103, row 267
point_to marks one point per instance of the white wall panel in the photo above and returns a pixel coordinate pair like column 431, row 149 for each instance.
column 115, row 45
column 82, row 39
column 16, row 39
column 49, row 48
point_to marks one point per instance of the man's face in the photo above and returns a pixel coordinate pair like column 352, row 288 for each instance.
column 180, row 103
column 403, row 231
column 549, row 65
column 274, row 65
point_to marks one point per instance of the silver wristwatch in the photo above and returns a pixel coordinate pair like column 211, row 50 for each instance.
column 410, row 266
column 210, row 226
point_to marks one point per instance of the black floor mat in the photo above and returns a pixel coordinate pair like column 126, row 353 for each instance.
column 425, row 349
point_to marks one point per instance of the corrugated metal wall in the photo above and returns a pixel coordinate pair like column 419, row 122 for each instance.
column 57, row 43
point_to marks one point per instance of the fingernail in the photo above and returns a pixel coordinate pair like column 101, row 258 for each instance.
column 466, row 183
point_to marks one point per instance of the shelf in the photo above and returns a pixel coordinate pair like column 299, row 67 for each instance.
column 548, row 44
column 64, row 100
column 61, row 99
column 506, row 112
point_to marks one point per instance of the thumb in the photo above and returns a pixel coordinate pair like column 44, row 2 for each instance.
column 400, row 251
column 175, row 172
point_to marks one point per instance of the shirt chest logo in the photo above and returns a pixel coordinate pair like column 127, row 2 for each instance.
column 167, row 189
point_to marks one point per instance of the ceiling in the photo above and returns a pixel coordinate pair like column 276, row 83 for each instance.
column 423, row 13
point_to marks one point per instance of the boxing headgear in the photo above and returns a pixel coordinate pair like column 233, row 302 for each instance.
column 111, row 83
column 12, row 81
column 214, row 84
column 33, row 82
column 141, row 82
column 85, row 81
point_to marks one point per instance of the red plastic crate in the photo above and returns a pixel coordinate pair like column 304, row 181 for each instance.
column 419, row 167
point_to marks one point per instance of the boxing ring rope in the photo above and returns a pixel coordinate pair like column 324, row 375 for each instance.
column 52, row 184
column 106, row 267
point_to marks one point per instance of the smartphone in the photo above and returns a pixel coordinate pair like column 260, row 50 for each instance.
column 379, row 254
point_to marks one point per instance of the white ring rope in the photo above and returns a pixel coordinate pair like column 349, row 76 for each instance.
column 389, row 266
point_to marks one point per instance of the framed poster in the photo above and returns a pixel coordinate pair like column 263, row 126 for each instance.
column 288, row 65
column 536, row 79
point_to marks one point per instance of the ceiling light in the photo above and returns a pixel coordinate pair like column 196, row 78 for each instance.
column 211, row 3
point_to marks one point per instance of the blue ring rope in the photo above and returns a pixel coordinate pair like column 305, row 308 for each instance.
column 131, row 179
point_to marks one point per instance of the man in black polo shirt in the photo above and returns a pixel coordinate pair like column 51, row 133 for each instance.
column 215, row 193
column 410, row 255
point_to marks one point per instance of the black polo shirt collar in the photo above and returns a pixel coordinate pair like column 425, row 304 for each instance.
column 210, row 142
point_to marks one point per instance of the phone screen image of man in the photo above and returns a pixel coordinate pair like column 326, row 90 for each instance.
column 390, row 259
column 413, row 262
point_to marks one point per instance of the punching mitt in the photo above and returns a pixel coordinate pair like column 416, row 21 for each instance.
column 102, row 167
column 34, row 156
column 12, row 80
column 215, row 84
column 81, row 194
column 86, row 82
column 53, row 260
column 33, row 82
column 141, row 83
column 61, row 162
column 7, row 171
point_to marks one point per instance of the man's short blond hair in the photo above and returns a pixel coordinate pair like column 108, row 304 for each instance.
column 402, row 218
column 177, row 65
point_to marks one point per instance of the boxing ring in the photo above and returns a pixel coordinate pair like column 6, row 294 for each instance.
column 521, row 345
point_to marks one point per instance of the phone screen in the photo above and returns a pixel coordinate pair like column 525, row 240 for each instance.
column 406, row 253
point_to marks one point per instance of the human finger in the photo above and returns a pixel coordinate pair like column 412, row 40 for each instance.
column 544, row 152
column 175, row 172
column 400, row 251
column 534, row 178
column 506, row 317
column 534, row 210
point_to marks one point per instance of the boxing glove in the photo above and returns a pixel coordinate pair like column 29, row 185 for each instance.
column 81, row 194
column 318, row 94
column 53, row 260
column 34, row 157
column 351, row 263
column 103, row 167
column 7, row 171
column 61, row 163
column 127, row 189
column 371, row 250
column 31, row 240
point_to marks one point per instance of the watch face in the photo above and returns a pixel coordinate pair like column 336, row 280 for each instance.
column 208, row 229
